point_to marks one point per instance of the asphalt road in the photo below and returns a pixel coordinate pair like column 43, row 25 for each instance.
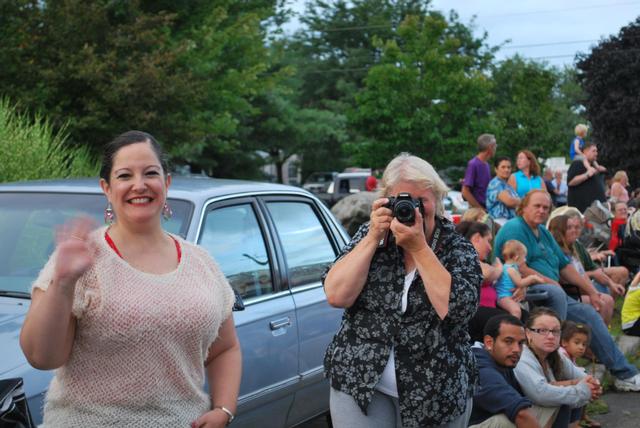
column 624, row 412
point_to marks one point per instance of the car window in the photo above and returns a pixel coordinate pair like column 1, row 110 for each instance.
column 28, row 222
column 307, row 247
column 234, row 239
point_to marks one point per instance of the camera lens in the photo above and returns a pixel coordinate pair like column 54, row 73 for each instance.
column 404, row 211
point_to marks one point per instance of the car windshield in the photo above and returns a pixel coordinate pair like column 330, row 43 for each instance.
column 28, row 222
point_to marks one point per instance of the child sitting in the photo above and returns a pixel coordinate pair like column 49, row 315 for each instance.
column 631, row 308
column 575, row 340
column 573, row 344
column 575, row 151
column 514, row 254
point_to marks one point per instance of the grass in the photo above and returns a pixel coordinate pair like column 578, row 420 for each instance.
column 30, row 148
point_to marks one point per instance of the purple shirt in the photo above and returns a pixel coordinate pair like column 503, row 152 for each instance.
column 476, row 178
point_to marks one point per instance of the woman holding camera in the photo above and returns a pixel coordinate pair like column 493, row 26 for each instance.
column 402, row 355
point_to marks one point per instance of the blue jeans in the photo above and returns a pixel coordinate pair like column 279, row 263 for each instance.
column 556, row 298
column 602, row 344
column 601, row 288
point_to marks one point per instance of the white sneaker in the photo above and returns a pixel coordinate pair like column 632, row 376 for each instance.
column 631, row 384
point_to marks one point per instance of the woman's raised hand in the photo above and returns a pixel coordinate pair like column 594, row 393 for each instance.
column 380, row 219
column 74, row 253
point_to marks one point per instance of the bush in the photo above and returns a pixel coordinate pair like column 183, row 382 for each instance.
column 31, row 149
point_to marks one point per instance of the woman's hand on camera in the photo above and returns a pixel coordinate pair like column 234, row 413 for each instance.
column 410, row 237
column 380, row 219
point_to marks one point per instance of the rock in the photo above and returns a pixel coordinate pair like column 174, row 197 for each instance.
column 354, row 210
column 628, row 345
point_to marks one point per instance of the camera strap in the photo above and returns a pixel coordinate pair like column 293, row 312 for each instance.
column 436, row 237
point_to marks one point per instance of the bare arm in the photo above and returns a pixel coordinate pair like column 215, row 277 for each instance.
column 224, row 369
column 604, row 279
column 224, row 366
column 49, row 328
column 346, row 279
column 521, row 282
column 506, row 198
column 527, row 271
column 526, row 419
column 468, row 196
column 489, row 272
column 512, row 181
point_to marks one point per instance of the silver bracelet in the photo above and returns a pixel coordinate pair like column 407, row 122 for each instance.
column 228, row 412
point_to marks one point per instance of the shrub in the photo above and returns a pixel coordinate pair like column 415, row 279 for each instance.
column 31, row 149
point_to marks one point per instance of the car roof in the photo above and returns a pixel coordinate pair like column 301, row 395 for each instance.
column 182, row 187
column 353, row 174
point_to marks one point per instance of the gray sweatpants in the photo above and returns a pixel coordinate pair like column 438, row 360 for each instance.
column 383, row 412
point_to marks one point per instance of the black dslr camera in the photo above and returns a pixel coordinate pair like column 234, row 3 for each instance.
column 403, row 207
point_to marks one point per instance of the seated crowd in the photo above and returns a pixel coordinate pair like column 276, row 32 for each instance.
column 526, row 377
column 546, row 299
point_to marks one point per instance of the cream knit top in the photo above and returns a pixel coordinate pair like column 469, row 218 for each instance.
column 141, row 342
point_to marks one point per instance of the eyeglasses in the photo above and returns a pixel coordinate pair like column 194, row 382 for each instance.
column 546, row 331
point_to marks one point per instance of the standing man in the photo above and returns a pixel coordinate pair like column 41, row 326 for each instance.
column 478, row 173
column 560, row 189
column 498, row 400
column 585, row 185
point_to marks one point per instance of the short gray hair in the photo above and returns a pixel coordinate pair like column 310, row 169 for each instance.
column 406, row 167
column 485, row 141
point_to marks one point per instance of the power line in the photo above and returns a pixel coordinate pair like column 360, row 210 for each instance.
column 537, row 12
column 536, row 45
column 389, row 25
column 347, row 70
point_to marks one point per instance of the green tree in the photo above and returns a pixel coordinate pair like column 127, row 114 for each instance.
column 283, row 129
column 428, row 95
column 31, row 149
column 185, row 71
column 337, row 45
column 534, row 106
column 610, row 76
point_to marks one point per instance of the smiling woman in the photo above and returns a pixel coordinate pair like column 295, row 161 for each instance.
column 112, row 291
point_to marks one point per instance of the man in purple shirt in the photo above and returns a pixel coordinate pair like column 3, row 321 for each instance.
column 478, row 173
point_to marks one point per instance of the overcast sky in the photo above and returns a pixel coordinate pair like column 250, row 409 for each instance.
column 564, row 27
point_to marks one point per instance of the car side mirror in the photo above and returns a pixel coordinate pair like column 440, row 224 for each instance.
column 238, row 305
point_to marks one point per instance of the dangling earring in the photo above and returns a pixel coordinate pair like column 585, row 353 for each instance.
column 109, row 217
column 166, row 212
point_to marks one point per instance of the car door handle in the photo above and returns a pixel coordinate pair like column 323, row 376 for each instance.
column 280, row 323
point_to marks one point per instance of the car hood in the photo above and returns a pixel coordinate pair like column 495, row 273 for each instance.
column 12, row 314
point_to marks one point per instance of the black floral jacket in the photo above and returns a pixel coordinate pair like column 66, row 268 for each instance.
column 435, row 368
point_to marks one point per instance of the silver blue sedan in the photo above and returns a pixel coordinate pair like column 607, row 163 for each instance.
column 272, row 241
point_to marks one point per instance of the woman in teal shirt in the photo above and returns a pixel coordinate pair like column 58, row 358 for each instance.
column 528, row 175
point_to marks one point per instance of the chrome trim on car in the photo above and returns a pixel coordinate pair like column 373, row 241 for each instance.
column 250, row 194
column 301, row 288
column 254, row 398
column 257, row 299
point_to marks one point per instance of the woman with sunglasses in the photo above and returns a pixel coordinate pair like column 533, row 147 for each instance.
column 549, row 379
